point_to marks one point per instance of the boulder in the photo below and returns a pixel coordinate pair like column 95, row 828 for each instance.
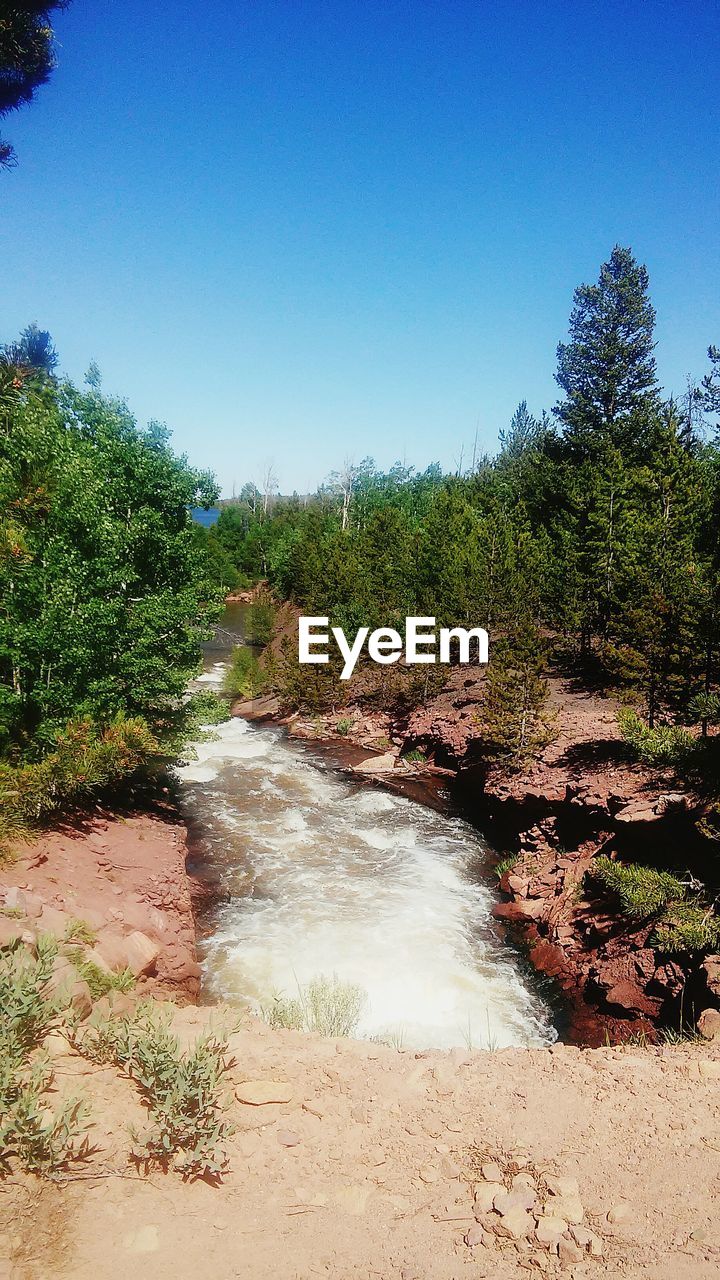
column 11, row 931
column 708, row 1024
column 377, row 764
column 136, row 952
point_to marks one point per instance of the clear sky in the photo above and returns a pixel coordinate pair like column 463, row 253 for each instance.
column 312, row 229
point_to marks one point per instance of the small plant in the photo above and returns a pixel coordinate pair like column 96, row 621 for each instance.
column 326, row 1006
column 80, row 931
column 39, row 1139
column 416, row 756
column 505, row 864
column 343, row 727
column 100, row 982
column 643, row 891
column 664, row 745
column 687, row 926
column 182, row 1091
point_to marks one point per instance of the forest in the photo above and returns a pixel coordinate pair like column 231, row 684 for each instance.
column 590, row 538
column 104, row 591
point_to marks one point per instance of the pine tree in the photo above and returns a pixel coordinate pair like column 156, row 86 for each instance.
column 607, row 369
column 515, row 718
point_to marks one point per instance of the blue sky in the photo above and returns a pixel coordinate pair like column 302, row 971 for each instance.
column 308, row 230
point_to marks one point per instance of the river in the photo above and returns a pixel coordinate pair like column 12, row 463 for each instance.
column 320, row 874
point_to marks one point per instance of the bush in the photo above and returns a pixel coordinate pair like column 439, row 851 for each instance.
column 181, row 1090
column 667, row 744
column 86, row 760
column 642, row 891
column 37, row 1138
column 326, row 1006
column 100, row 982
column 343, row 727
column 244, row 677
column 505, row 864
column 687, row 927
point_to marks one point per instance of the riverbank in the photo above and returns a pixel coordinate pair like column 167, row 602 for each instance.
column 377, row 1163
column 113, row 887
column 580, row 796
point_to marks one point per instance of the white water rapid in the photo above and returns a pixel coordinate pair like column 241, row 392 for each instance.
column 323, row 875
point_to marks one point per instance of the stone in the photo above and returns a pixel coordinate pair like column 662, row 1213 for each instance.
column 485, row 1194
column 136, row 952
column 549, row 1230
column 474, row 1236
column 709, row 1069
column 11, row 931
column 491, row 1172
column 517, row 885
column 708, row 1024
column 568, row 1208
column 620, row 1212
column 516, row 1223
column 569, row 1252
column 52, row 921
column 429, row 1174
column 288, row 1137
column 518, row 1198
column 587, row 1240
column 560, row 1186
column 377, row 764
column 81, row 999
column 260, row 1093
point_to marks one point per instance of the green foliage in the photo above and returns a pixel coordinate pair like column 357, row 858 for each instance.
column 326, row 1006
column 415, row 756
column 343, row 727
column 182, row 1091
column 78, row 930
column 505, row 864
column 32, row 1135
column 100, row 982
column 514, row 718
column 642, row 891
column 260, row 621
column 27, row 57
column 663, row 745
column 245, row 677
column 85, row 762
column 687, row 926
column 103, row 584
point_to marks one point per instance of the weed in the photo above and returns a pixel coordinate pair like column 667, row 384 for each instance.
column 99, row 980
column 416, row 756
column 181, row 1090
column 31, row 1134
column 343, row 727
column 80, row 931
column 505, row 864
column 686, row 926
column 326, row 1006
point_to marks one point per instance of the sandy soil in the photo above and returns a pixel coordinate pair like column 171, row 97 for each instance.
column 371, row 1168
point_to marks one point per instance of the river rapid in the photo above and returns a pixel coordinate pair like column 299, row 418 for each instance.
column 320, row 874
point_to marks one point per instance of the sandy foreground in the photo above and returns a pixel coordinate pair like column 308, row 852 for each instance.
column 373, row 1167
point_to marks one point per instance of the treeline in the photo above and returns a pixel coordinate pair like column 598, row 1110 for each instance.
column 595, row 526
column 104, row 590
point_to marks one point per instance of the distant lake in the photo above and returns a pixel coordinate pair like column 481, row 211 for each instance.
column 206, row 518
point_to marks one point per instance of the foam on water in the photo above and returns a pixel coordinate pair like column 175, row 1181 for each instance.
column 323, row 876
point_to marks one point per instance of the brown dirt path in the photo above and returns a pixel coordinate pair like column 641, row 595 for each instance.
column 369, row 1170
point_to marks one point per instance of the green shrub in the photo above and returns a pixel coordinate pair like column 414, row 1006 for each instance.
column 667, row 744
column 643, row 891
column 686, row 926
column 85, row 761
column 343, row 727
column 182, row 1090
column 416, row 756
column 326, row 1006
column 244, row 677
column 505, row 864
column 39, row 1139
column 100, row 982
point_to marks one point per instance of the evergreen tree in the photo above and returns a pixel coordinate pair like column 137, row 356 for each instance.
column 27, row 56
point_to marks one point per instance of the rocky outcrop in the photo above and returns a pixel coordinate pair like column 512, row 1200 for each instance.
column 116, row 896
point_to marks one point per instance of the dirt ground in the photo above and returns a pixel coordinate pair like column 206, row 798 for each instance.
column 371, row 1168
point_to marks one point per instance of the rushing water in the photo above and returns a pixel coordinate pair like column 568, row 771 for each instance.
column 321, row 874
